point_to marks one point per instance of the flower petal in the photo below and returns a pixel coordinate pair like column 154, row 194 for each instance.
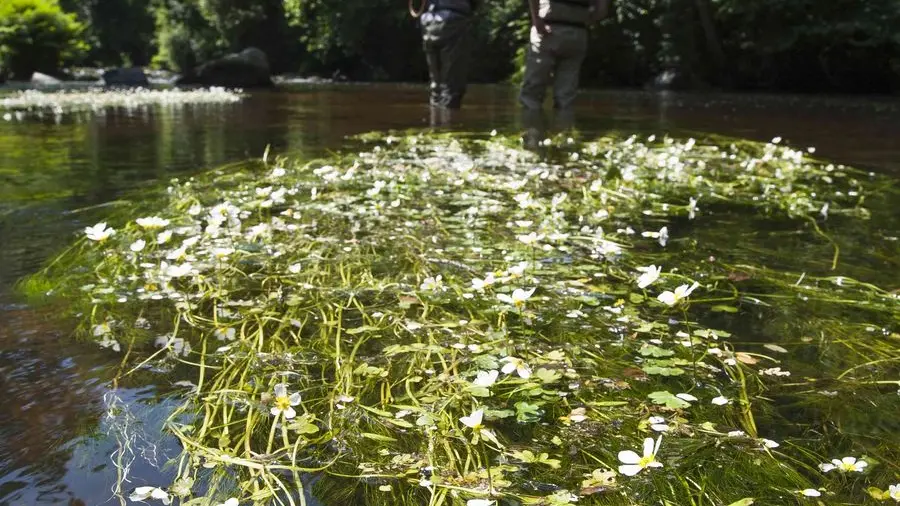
column 629, row 457
column 629, row 470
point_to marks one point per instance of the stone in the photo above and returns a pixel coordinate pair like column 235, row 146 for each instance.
column 39, row 79
column 133, row 76
column 247, row 69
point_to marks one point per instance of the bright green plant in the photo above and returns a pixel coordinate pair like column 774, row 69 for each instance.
column 36, row 35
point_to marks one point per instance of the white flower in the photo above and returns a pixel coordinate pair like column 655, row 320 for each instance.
column 99, row 232
column 686, row 397
column 177, row 271
column 649, row 276
column 662, row 235
column 516, row 364
column 768, row 443
column 486, row 378
column 474, row 420
column 519, row 296
column 102, row 329
column 179, row 346
column 295, row 268
column 480, row 502
column 518, row 269
column 138, row 246
column 894, row 492
column 164, row 237
column 222, row 253
column 284, row 403
column 810, row 492
column 658, row 424
column 109, row 342
column 152, row 222
column 680, row 293
column 720, row 401
column 845, row 465
column 736, row 433
column 432, row 284
column 230, row 502
column 481, row 284
column 144, row 493
column 578, row 415
column 530, row 239
column 277, row 172
column 224, row 334
column 692, row 207
column 632, row 464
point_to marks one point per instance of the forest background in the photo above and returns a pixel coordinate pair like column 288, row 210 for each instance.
column 774, row 45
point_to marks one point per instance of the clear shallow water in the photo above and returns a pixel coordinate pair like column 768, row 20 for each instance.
column 56, row 440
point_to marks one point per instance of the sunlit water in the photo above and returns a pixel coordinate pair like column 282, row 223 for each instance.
column 56, row 176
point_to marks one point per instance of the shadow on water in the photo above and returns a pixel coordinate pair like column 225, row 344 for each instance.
column 57, row 176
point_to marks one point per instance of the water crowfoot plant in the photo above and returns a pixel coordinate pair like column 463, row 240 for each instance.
column 368, row 328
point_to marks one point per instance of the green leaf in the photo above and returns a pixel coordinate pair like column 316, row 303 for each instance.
column 668, row 399
column 547, row 375
column 662, row 371
column 479, row 391
column 527, row 412
column 378, row 437
column 360, row 330
column 649, row 350
column 747, row 501
column 724, row 309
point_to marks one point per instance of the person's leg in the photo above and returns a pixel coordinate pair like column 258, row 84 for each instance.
column 433, row 59
column 455, row 57
column 539, row 64
column 572, row 50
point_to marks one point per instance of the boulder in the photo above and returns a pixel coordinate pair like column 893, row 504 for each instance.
column 39, row 79
column 133, row 76
column 247, row 69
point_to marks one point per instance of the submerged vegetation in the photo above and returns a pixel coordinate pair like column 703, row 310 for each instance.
column 451, row 319
column 59, row 103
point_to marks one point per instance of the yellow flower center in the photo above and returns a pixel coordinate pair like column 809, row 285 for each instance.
column 282, row 402
column 646, row 461
column 848, row 467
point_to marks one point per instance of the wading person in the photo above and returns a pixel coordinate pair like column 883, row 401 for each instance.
column 556, row 49
column 446, row 33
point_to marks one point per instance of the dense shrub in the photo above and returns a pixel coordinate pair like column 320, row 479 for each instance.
column 36, row 35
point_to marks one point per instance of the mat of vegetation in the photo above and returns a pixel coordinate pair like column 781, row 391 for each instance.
column 451, row 319
column 58, row 103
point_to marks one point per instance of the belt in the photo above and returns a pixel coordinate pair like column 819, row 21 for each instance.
column 566, row 23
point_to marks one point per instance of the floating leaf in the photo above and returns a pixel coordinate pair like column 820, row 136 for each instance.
column 775, row 347
column 650, row 350
column 668, row 399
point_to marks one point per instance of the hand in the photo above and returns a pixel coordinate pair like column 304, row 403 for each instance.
column 541, row 26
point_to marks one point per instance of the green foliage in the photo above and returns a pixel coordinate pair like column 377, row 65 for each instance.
column 36, row 35
column 109, row 43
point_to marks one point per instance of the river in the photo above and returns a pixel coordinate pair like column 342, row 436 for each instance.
column 56, row 177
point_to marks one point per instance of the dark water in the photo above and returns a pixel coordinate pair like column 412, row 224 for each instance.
column 56, row 434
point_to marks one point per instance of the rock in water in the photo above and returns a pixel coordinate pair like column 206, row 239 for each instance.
column 39, row 79
column 247, row 69
column 133, row 76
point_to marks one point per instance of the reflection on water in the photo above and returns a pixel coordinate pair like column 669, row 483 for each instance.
column 55, row 433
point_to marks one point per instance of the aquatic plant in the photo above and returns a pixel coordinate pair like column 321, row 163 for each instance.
column 449, row 319
column 21, row 104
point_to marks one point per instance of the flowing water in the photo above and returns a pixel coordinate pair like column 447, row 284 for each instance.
column 59, row 422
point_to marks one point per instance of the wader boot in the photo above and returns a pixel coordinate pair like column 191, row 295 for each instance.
column 446, row 31
column 555, row 59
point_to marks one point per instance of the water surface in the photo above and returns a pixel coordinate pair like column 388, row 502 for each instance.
column 56, row 177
